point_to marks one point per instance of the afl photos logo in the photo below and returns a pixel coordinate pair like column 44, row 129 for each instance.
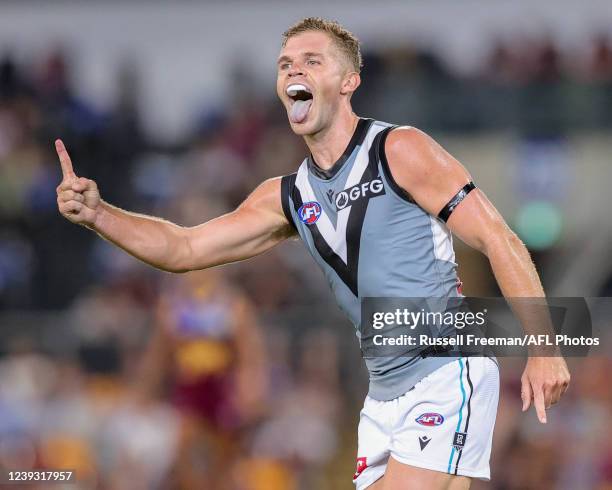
column 309, row 212
column 360, row 191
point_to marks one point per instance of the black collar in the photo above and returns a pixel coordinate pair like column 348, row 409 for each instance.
column 360, row 131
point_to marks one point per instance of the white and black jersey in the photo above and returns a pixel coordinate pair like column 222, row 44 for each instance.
column 372, row 240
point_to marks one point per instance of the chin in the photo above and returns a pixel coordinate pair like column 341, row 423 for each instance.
column 301, row 129
column 308, row 127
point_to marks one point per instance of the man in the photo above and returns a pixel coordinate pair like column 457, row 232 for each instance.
column 374, row 204
column 207, row 352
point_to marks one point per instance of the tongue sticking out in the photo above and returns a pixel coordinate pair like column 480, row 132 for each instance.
column 299, row 110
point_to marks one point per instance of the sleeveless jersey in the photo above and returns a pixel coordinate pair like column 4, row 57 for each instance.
column 371, row 240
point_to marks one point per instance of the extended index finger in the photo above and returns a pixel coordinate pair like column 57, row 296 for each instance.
column 539, row 403
column 65, row 161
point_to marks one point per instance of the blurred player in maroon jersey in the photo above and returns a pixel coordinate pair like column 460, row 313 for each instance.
column 207, row 355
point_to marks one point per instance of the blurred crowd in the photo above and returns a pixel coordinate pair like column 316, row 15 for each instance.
column 526, row 84
column 245, row 377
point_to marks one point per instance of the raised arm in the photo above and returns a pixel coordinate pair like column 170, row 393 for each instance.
column 433, row 177
column 254, row 227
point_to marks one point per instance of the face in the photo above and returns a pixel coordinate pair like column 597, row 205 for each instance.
column 312, row 81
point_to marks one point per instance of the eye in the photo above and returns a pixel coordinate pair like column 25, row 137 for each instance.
column 313, row 62
column 283, row 66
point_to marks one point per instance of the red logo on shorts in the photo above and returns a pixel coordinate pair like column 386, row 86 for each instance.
column 430, row 419
column 361, row 465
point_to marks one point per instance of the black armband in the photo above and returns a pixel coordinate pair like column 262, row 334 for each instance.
column 454, row 202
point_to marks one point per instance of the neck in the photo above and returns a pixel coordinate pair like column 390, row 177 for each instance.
column 327, row 145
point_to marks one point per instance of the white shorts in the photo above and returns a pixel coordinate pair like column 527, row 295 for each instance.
column 445, row 423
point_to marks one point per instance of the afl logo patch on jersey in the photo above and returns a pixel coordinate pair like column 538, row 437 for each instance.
column 309, row 212
column 430, row 419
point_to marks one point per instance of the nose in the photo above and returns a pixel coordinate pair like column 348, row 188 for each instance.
column 295, row 70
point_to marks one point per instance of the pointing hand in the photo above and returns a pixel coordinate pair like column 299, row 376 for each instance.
column 78, row 199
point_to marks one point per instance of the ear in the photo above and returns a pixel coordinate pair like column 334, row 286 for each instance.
column 351, row 81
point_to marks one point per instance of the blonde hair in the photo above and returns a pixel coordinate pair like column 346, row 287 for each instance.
column 344, row 39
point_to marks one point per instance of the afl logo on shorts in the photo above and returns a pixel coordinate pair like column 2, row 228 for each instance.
column 309, row 212
column 430, row 419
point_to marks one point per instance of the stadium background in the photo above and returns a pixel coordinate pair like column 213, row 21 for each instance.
column 247, row 377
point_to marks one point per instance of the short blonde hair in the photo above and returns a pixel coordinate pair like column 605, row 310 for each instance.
column 344, row 39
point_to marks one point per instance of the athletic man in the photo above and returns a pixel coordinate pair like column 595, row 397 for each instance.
column 374, row 205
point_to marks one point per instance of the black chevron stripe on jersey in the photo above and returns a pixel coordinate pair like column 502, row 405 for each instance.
column 347, row 272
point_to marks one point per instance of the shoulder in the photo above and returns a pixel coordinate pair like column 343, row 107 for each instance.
column 270, row 199
column 406, row 136
column 266, row 195
column 423, row 169
column 409, row 144
column 413, row 156
column 268, row 188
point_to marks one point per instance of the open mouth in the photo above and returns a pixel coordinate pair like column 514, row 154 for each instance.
column 301, row 100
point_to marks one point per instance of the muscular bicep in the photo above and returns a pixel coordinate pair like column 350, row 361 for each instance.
column 435, row 179
column 254, row 227
column 424, row 169
column 476, row 221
